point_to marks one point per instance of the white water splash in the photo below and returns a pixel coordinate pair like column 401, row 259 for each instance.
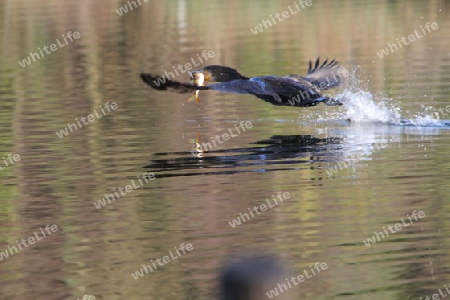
column 361, row 107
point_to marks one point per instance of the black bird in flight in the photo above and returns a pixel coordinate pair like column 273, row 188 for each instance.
column 288, row 90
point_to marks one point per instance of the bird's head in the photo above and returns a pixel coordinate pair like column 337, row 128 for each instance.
column 216, row 73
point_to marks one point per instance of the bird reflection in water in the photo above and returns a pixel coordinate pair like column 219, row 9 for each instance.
column 280, row 152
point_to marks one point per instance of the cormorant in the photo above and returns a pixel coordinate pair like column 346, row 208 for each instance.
column 288, row 90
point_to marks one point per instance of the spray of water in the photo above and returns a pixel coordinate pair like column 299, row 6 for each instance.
column 361, row 106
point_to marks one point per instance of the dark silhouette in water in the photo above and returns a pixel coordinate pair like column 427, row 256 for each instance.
column 250, row 278
column 288, row 90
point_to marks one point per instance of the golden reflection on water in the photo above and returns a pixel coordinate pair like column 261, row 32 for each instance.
column 192, row 199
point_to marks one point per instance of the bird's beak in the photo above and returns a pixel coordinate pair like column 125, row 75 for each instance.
column 191, row 76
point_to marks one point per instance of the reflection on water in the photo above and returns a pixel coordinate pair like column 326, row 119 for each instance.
column 273, row 154
column 350, row 171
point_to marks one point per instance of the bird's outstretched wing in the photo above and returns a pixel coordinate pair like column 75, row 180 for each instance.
column 325, row 75
column 254, row 86
column 276, row 90
column 238, row 86
column 164, row 84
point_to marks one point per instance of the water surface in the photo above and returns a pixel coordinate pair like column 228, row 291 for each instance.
column 350, row 171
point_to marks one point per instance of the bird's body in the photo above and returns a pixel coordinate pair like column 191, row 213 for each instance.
column 288, row 90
